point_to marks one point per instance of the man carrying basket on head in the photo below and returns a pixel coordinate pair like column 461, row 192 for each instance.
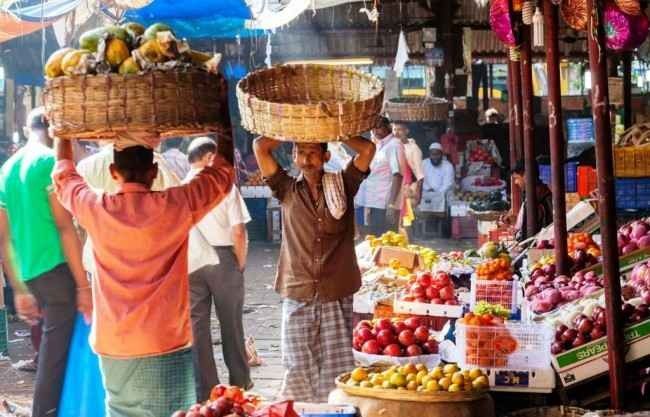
column 141, row 324
column 317, row 270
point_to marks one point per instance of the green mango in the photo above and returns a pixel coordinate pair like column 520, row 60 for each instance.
column 150, row 33
column 90, row 40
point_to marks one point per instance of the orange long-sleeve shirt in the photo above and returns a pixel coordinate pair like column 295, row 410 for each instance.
column 140, row 238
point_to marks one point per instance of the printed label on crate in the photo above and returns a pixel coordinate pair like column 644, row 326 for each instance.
column 511, row 378
column 598, row 347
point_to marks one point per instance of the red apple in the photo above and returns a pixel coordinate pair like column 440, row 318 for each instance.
column 556, row 348
column 364, row 323
column 437, row 301
column 357, row 342
column 207, row 412
column 413, row 322
column 569, row 335
column 421, row 334
column 407, row 338
column 432, row 292
column 424, row 279
column 383, row 324
column 597, row 333
column 414, row 350
column 430, row 347
column 447, row 293
column 393, row 350
column 418, row 291
column 365, row 334
column 385, row 337
column 451, row 302
column 441, row 279
column 399, row 327
column 372, row 347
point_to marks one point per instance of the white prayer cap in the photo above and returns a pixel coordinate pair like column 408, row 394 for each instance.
column 435, row 146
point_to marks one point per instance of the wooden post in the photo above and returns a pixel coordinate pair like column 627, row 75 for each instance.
column 606, row 200
column 558, row 152
column 486, row 88
column 532, row 223
column 514, row 127
column 627, row 89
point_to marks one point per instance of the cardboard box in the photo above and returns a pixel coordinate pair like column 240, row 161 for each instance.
column 581, row 218
column 590, row 360
column 541, row 381
column 433, row 201
column 407, row 258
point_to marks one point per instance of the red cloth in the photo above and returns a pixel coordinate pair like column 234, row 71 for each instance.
column 281, row 409
column 10, row 27
column 450, row 142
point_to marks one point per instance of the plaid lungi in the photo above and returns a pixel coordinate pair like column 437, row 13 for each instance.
column 148, row 387
column 316, row 347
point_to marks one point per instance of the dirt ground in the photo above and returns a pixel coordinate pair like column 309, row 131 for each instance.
column 261, row 319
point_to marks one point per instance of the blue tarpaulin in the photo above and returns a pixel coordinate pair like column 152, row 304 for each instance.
column 190, row 9
column 39, row 10
column 210, row 27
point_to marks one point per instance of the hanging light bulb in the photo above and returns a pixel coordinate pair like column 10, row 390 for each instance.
column 527, row 12
column 538, row 28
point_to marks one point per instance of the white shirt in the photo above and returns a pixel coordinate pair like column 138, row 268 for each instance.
column 413, row 155
column 217, row 225
column 375, row 189
column 177, row 161
column 94, row 170
column 339, row 158
column 438, row 178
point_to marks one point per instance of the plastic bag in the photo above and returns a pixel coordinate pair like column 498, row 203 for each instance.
column 83, row 390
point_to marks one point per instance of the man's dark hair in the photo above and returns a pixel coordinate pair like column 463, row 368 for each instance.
column 520, row 168
column 322, row 145
column 200, row 147
column 383, row 121
column 133, row 163
column 36, row 120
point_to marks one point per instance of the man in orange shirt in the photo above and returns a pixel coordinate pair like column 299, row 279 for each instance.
column 141, row 324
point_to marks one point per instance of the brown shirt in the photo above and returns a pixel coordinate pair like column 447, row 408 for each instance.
column 317, row 257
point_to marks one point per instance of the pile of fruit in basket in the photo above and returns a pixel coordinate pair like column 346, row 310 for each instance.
column 634, row 236
column 577, row 242
column 128, row 49
column 474, row 196
column 487, row 182
column 409, row 337
column 224, row 401
column 480, row 154
column 417, row 377
column 431, row 288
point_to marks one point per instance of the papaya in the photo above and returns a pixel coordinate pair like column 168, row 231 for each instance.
column 75, row 61
column 53, row 65
column 129, row 66
column 133, row 29
column 151, row 52
column 153, row 30
column 116, row 51
column 90, row 40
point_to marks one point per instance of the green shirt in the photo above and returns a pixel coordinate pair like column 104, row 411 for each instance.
column 25, row 184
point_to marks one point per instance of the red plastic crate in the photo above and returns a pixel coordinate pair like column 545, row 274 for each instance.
column 587, row 180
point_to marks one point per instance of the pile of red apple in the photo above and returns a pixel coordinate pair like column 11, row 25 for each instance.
column 431, row 288
column 388, row 337
column 225, row 401
column 487, row 182
column 546, row 292
column 633, row 236
column 480, row 154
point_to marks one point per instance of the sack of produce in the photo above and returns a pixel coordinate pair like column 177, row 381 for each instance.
column 129, row 80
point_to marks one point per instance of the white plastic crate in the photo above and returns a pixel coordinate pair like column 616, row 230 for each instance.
column 514, row 345
column 426, row 309
column 503, row 293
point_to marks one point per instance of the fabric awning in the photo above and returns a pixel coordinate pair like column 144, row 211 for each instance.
column 10, row 27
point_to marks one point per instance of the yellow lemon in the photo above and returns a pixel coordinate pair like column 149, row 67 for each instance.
column 433, row 386
column 481, row 383
column 468, row 386
column 387, row 385
column 458, row 378
column 366, row 384
column 425, row 380
column 398, row 380
column 421, row 367
column 359, row 374
column 475, row 373
column 412, row 386
column 412, row 378
column 420, row 388
column 466, row 375
column 409, row 369
column 455, row 388
column 444, row 383
column 377, row 380
column 420, row 375
column 436, row 373
column 450, row 369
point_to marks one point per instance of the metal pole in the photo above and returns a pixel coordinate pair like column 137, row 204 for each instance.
column 627, row 89
column 606, row 200
column 532, row 224
column 551, row 19
column 514, row 91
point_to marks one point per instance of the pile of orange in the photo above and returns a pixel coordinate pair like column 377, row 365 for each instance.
column 487, row 341
column 499, row 269
column 582, row 241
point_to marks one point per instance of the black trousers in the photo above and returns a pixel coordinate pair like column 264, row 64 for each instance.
column 222, row 284
column 55, row 292
column 377, row 223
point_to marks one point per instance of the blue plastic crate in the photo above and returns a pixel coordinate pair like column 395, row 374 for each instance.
column 570, row 176
column 633, row 193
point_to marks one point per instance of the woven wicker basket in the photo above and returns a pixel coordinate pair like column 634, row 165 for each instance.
column 417, row 109
column 164, row 104
column 309, row 103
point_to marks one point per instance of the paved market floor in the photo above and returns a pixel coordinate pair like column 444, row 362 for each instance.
column 261, row 315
